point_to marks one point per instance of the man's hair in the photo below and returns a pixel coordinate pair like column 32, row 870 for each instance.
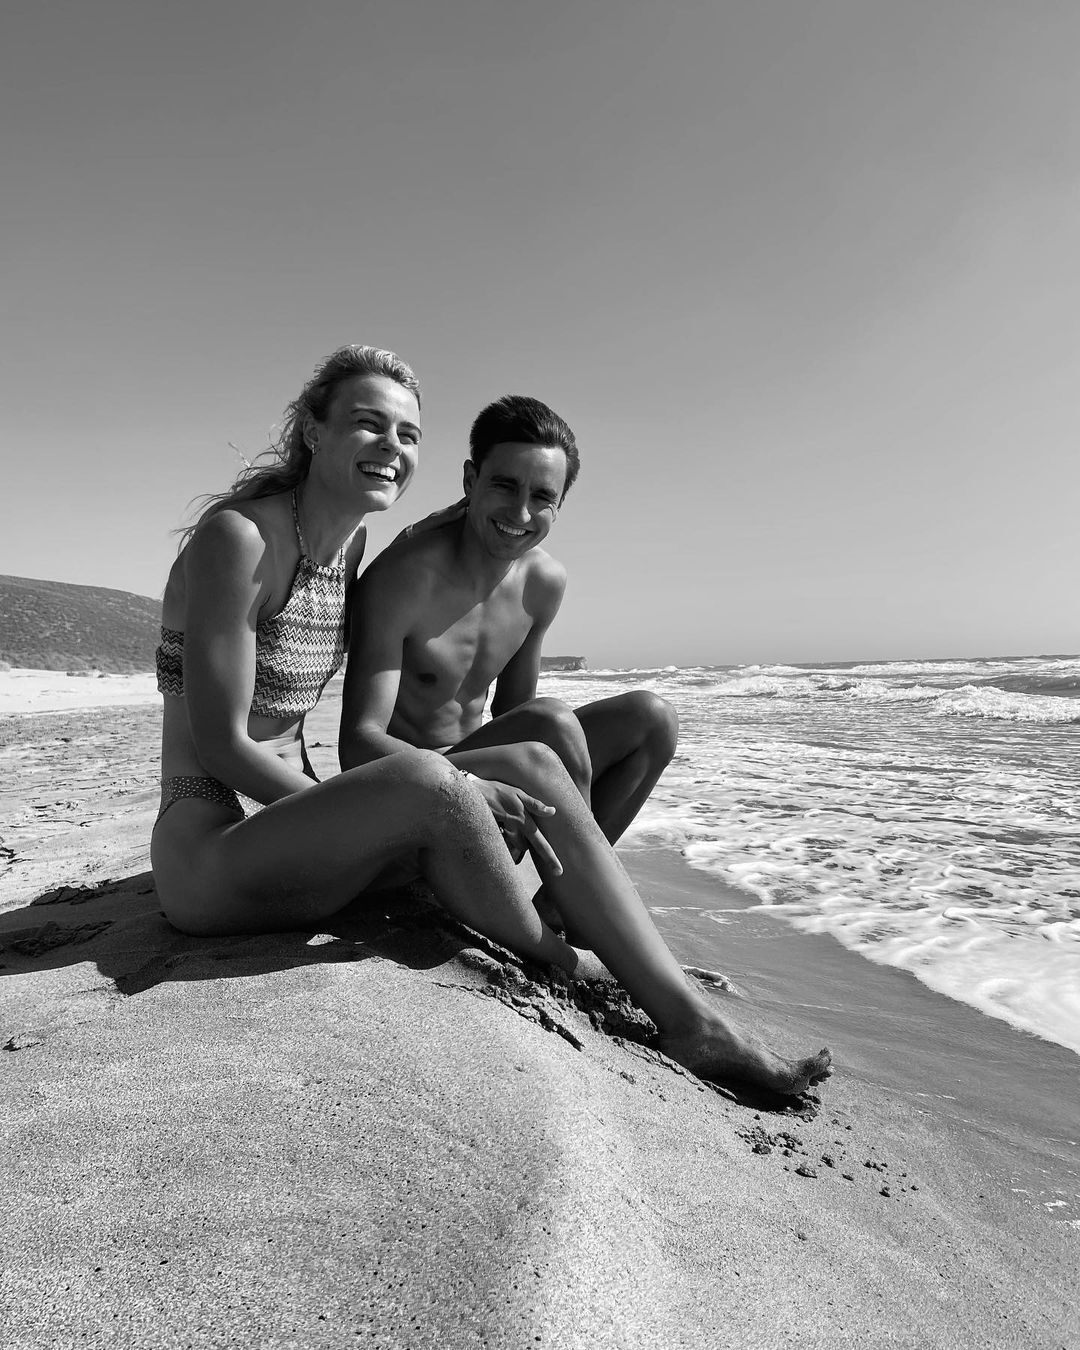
column 516, row 417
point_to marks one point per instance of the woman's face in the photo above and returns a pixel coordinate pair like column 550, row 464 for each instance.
column 367, row 448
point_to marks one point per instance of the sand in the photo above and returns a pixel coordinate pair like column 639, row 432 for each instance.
column 38, row 691
column 390, row 1134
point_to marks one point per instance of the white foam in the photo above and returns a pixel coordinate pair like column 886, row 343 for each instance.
column 932, row 828
column 986, row 701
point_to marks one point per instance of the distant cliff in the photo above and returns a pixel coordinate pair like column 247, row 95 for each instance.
column 54, row 625
column 563, row 663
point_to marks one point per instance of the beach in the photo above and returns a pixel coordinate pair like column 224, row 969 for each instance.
column 390, row 1133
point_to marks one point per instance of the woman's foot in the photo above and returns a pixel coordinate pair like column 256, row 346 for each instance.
column 715, row 1050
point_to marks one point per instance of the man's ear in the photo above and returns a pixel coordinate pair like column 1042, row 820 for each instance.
column 468, row 477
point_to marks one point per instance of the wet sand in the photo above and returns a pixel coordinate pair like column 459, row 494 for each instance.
column 389, row 1133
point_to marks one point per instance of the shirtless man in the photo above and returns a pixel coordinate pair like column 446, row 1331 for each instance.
column 463, row 601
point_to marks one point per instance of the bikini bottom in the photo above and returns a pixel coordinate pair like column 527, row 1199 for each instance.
column 178, row 789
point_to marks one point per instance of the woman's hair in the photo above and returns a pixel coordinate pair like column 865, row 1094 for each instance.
column 517, row 417
column 291, row 455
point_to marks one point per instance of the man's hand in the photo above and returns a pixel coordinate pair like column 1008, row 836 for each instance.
column 518, row 816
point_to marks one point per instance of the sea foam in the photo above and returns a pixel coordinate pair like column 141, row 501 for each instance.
column 921, row 814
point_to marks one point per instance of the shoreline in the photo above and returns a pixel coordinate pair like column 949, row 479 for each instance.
column 388, row 1130
column 978, row 1076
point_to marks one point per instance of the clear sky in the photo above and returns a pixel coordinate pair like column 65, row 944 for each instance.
column 801, row 274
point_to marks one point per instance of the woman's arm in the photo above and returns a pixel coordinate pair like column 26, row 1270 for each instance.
column 228, row 577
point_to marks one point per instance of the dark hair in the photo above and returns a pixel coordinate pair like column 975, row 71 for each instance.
column 517, row 417
column 291, row 454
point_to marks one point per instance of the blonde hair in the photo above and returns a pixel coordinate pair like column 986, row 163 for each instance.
column 291, row 452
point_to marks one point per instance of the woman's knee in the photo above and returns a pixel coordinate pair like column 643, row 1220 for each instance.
column 427, row 777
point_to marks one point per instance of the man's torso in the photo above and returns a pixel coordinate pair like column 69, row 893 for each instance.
column 459, row 641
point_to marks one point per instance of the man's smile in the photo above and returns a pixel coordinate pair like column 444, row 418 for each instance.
column 510, row 531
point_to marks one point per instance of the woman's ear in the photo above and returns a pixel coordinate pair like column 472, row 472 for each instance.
column 311, row 434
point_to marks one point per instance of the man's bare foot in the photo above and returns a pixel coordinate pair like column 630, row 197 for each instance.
column 548, row 911
column 718, row 1051
column 589, row 967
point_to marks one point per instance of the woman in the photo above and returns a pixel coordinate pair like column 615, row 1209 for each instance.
column 253, row 627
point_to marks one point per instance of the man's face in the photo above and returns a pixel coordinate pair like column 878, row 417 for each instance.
column 514, row 496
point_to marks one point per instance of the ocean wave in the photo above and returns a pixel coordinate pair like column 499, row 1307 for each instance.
column 1005, row 706
column 1055, row 686
column 967, row 700
column 929, row 819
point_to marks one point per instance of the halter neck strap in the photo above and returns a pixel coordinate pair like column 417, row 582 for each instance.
column 338, row 564
column 296, row 522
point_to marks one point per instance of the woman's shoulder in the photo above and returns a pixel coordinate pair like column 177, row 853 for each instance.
column 244, row 530
column 243, row 547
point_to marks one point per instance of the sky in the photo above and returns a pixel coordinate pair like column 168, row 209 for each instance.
column 801, row 274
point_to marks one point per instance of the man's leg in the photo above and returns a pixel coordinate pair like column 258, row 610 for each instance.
column 631, row 739
column 544, row 720
column 614, row 750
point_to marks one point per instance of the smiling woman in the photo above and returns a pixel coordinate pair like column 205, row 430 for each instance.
column 253, row 626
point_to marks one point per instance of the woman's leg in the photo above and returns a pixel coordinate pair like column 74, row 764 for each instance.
column 599, row 900
column 306, row 856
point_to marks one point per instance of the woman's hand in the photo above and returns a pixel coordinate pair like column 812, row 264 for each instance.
column 518, row 816
column 437, row 518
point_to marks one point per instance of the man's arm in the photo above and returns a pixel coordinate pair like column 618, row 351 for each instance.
column 516, row 683
column 379, row 620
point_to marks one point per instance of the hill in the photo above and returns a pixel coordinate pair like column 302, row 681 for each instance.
column 54, row 625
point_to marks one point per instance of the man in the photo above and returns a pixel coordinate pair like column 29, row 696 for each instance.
column 464, row 600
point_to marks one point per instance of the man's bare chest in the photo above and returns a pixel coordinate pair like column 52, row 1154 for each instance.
column 459, row 654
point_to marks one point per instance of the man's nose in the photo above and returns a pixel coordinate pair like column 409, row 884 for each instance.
column 521, row 508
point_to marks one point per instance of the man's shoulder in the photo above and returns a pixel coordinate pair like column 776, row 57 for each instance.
column 543, row 567
column 414, row 556
column 544, row 580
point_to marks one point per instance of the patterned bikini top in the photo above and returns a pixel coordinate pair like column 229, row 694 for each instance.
column 296, row 651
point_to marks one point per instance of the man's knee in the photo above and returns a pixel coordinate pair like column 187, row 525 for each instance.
column 553, row 723
column 540, row 765
column 657, row 723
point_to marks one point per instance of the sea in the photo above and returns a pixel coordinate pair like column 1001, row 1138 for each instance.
column 924, row 813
